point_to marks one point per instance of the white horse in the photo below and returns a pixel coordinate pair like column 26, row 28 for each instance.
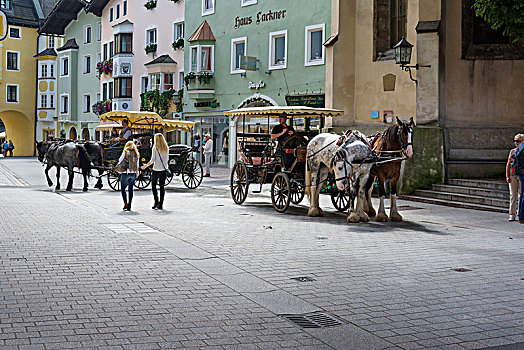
column 346, row 156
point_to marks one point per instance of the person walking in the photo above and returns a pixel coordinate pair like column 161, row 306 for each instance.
column 10, row 148
column 513, row 181
column 130, row 156
column 159, row 160
column 5, row 146
column 208, row 153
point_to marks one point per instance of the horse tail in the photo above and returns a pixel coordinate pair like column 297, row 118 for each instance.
column 83, row 160
column 308, row 179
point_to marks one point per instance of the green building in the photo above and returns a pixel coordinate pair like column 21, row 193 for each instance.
column 281, row 45
column 78, row 83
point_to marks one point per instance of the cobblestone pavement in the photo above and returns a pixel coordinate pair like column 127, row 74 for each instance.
column 76, row 271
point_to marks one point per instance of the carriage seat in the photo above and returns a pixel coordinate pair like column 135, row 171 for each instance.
column 179, row 149
column 255, row 152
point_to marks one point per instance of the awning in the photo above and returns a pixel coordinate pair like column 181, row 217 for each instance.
column 167, row 125
column 136, row 119
column 284, row 111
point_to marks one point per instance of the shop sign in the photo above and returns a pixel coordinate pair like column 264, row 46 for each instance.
column 309, row 100
column 257, row 86
column 4, row 27
column 207, row 104
column 260, row 18
column 248, row 63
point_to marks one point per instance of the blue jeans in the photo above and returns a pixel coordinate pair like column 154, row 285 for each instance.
column 127, row 180
column 521, row 199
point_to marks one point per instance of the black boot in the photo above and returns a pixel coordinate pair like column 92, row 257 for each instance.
column 155, row 206
column 160, row 206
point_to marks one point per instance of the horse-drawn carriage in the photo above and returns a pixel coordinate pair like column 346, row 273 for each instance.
column 181, row 162
column 261, row 160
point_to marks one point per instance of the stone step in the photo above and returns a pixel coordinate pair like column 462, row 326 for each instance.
column 453, row 203
column 498, row 185
column 464, row 198
column 474, row 191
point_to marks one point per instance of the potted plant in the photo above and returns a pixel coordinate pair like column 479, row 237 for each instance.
column 151, row 48
column 178, row 44
column 150, row 4
column 189, row 77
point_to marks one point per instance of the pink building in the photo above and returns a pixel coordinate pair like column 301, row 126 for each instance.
column 141, row 40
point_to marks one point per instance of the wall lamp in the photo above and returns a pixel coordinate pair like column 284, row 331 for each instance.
column 403, row 57
column 268, row 71
column 243, row 74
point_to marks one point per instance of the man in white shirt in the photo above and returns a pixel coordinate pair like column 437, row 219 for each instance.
column 208, row 153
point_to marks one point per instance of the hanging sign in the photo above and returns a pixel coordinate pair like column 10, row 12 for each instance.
column 309, row 100
column 4, row 27
column 248, row 63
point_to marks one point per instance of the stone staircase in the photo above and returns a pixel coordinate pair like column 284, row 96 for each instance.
column 490, row 195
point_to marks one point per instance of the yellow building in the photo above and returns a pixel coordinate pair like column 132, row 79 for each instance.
column 18, row 74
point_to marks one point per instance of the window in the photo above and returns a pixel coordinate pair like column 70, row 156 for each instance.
column 99, row 31
column 238, row 48
column 87, row 64
column 111, row 49
column 247, row 2
column 97, row 97
column 43, row 101
column 123, row 87
column 151, row 36
column 12, row 93
column 13, row 62
column 110, row 90
column 98, row 58
column 180, row 80
column 51, row 101
column 5, row 4
column 143, row 84
column 208, row 7
column 64, row 104
column 124, row 43
column 87, row 103
column 87, row 34
column 178, row 31
column 110, row 14
column 278, row 50
column 51, row 70
column 104, row 91
column 64, row 70
column 169, row 81
column 14, row 32
column 155, row 81
column 50, row 42
column 43, row 70
column 389, row 26
column 124, row 8
column 314, row 49
column 105, row 52
column 202, row 58
column 117, row 14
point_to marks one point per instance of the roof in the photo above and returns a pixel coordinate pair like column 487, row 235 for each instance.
column 202, row 33
column 70, row 44
column 284, row 111
column 60, row 16
column 97, row 6
column 164, row 59
column 25, row 13
column 46, row 52
column 167, row 125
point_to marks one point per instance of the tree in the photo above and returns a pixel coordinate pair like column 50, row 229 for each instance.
column 507, row 15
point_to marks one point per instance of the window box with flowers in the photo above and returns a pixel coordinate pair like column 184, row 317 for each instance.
column 105, row 67
column 178, row 44
column 156, row 101
column 150, row 4
column 200, row 81
column 151, row 48
column 102, row 107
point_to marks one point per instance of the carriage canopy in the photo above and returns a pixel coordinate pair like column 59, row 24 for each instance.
column 287, row 111
column 142, row 120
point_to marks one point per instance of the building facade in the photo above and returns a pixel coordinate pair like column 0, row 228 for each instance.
column 284, row 40
column 465, row 109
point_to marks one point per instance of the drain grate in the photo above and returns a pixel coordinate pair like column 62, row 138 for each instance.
column 313, row 320
column 461, row 269
column 303, row 279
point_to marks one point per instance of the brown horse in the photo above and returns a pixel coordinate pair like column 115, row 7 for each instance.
column 392, row 146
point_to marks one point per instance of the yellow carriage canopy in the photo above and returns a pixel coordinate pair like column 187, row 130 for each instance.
column 142, row 120
column 284, row 111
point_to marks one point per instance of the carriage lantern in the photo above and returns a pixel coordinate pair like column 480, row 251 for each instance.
column 403, row 57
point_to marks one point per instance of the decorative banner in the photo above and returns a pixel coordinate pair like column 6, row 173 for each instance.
column 309, row 100
column 3, row 25
column 248, row 63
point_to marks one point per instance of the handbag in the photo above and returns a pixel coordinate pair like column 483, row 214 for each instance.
column 122, row 166
column 168, row 172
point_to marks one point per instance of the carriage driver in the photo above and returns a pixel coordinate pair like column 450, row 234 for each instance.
column 281, row 133
column 125, row 133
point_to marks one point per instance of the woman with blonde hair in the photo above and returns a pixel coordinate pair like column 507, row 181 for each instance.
column 129, row 160
column 159, row 160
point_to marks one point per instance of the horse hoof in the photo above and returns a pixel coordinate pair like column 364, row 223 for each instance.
column 396, row 217
column 313, row 212
column 364, row 217
column 372, row 212
column 381, row 217
column 68, row 189
column 84, row 189
column 49, row 184
column 354, row 218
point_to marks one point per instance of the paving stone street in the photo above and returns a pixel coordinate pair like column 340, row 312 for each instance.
column 78, row 272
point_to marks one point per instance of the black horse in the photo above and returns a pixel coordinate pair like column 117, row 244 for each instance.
column 95, row 151
column 66, row 155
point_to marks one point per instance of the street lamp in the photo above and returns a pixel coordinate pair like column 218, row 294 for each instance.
column 403, row 57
